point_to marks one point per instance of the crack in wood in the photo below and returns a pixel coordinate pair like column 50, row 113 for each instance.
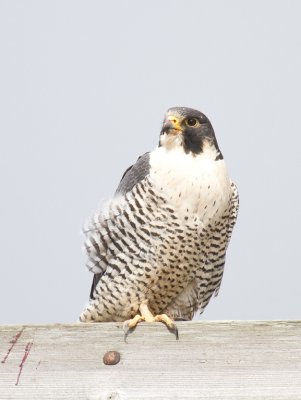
column 26, row 354
column 13, row 341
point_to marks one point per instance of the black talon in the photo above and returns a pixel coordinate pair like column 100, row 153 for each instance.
column 174, row 330
column 127, row 333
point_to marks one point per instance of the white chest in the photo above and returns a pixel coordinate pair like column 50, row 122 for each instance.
column 196, row 186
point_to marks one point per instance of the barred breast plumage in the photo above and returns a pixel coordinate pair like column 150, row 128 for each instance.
column 163, row 237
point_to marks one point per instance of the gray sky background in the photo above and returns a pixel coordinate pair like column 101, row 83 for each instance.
column 83, row 89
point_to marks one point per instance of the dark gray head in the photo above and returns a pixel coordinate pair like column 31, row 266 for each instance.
column 191, row 129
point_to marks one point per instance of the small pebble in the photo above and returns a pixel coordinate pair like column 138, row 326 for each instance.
column 111, row 358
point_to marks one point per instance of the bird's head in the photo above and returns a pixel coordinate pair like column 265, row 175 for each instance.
column 189, row 129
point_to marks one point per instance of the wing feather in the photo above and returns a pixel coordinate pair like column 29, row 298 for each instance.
column 134, row 174
column 100, row 232
column 215, row 267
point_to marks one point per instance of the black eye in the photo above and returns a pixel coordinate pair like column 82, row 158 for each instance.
column 191, row 121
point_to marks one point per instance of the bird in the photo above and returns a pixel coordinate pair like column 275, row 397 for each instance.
column 157, row 248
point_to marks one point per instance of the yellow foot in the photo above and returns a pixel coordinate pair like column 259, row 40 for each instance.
column 130, row 325
column 147, row 316
column 168, row 322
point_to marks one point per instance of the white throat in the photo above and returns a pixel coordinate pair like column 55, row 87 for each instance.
column 195, row 185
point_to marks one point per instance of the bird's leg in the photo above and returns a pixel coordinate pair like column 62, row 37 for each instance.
column 130, row 324
column 147, row 316
column 145, row 312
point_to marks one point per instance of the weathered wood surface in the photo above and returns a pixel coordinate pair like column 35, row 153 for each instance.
column 212, row 360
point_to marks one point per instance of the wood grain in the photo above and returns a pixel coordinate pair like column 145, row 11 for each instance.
column 212, row 360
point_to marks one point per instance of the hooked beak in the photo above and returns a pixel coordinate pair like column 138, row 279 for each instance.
column 171, row 125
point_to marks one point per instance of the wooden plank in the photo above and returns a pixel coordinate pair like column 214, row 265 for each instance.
column 212, row 360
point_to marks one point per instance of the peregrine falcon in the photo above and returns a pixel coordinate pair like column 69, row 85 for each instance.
column 157, row 250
